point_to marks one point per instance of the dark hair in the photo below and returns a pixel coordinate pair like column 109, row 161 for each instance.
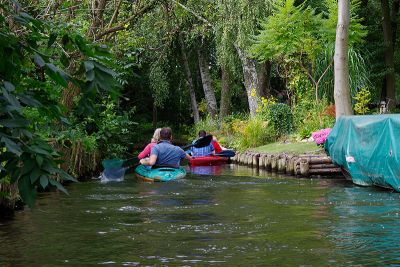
column 202, row 133
column 165, row 133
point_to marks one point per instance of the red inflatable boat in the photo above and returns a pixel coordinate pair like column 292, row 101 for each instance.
column 208, row 160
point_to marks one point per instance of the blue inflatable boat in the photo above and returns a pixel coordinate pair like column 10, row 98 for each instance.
column 162, row 174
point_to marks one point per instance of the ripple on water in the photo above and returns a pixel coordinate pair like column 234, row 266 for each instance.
column 110, row 197
column 137, row 209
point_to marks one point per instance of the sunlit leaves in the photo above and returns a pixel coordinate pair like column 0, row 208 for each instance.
column 291, row 31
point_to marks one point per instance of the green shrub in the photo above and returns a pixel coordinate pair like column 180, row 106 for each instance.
column 281, row 118
column 254, row 132
column 362, row 98
column 310, row 117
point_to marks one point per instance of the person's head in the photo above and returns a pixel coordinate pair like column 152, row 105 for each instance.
column 202, row 133
column 166, row 133
column 156, row 136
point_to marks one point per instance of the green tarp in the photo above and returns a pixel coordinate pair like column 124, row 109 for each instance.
column 368, row 148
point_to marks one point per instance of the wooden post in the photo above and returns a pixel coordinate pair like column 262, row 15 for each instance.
column 256, row 158
column 261, row 161
column 297, row 166
column 242, row 158
column 304, row 167
column 249, row 160
column 274, row 163
column 322, row 166
column 268, row 162
column 290, row 166
column 320, row 160
column 281, row 164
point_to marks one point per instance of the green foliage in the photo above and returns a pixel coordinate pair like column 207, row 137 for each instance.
column 302, row 43
column 159, row 82
column 310, row 117
column 359, row 67
column 236, row 21
column 115, row 132
column 362, row 98
column 238, row 131
column 291, row 32
column 31, row 77
column 255, row 132
column 281, row 118
column 357, row 31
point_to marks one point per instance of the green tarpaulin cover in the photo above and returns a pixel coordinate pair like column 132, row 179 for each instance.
column 368, row 148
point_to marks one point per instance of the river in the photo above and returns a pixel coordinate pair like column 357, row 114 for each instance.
column 237, row 217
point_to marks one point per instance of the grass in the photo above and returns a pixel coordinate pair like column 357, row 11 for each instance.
column 293, row 148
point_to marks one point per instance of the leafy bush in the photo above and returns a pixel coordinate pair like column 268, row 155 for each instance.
column 254, row 132
column 238, row 131
column 362, row 98
column 32, row 75
column 281, row 118
column 310, row 117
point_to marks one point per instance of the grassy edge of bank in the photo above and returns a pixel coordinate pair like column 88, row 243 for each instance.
column 289, row 148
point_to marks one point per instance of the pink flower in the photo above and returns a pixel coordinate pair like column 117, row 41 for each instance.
column 321, row 136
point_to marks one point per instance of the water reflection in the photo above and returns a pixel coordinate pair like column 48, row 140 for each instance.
column 206, row 170
column 238, row 217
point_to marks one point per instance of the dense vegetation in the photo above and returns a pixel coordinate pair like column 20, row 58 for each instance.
column 86, row 80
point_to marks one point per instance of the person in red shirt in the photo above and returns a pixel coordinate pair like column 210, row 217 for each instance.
column 146, row 151
column 217, row 147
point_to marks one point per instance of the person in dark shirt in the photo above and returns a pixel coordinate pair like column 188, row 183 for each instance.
column 202, row 151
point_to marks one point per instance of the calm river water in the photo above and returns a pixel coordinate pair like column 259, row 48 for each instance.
column 235, row 218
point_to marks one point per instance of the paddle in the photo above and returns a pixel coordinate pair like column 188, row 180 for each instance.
column 226, row 153
column 201, row 142
column 117, row 167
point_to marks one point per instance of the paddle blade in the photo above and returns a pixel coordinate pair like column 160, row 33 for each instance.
column 202, row 142
column 113, row 175
column 226, row 153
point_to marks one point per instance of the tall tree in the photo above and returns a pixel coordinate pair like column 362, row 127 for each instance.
column 389, row 25
column 224, row 103
column 239, row 21
column 206, row 81
column 189, row 81
column 341, row 87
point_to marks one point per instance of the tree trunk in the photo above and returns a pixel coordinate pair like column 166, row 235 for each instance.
column 264, row 73
column 190, row 84
column 98, row 7
column 250, row 80
column 207, row 87
column 390, row 92
column 393, row 18
column 341, row 62
column 225, row 95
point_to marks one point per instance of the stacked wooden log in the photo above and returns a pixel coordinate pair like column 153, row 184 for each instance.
column 299, row 165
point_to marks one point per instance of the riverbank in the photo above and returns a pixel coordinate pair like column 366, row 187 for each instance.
column 301, row 159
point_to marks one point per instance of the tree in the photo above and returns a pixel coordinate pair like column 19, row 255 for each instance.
column 206, row 81
column 389, row 25
column 237, row 22
column 342, row 88
column 291, row 37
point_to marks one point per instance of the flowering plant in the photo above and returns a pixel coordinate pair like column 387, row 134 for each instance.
column 321, row 136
